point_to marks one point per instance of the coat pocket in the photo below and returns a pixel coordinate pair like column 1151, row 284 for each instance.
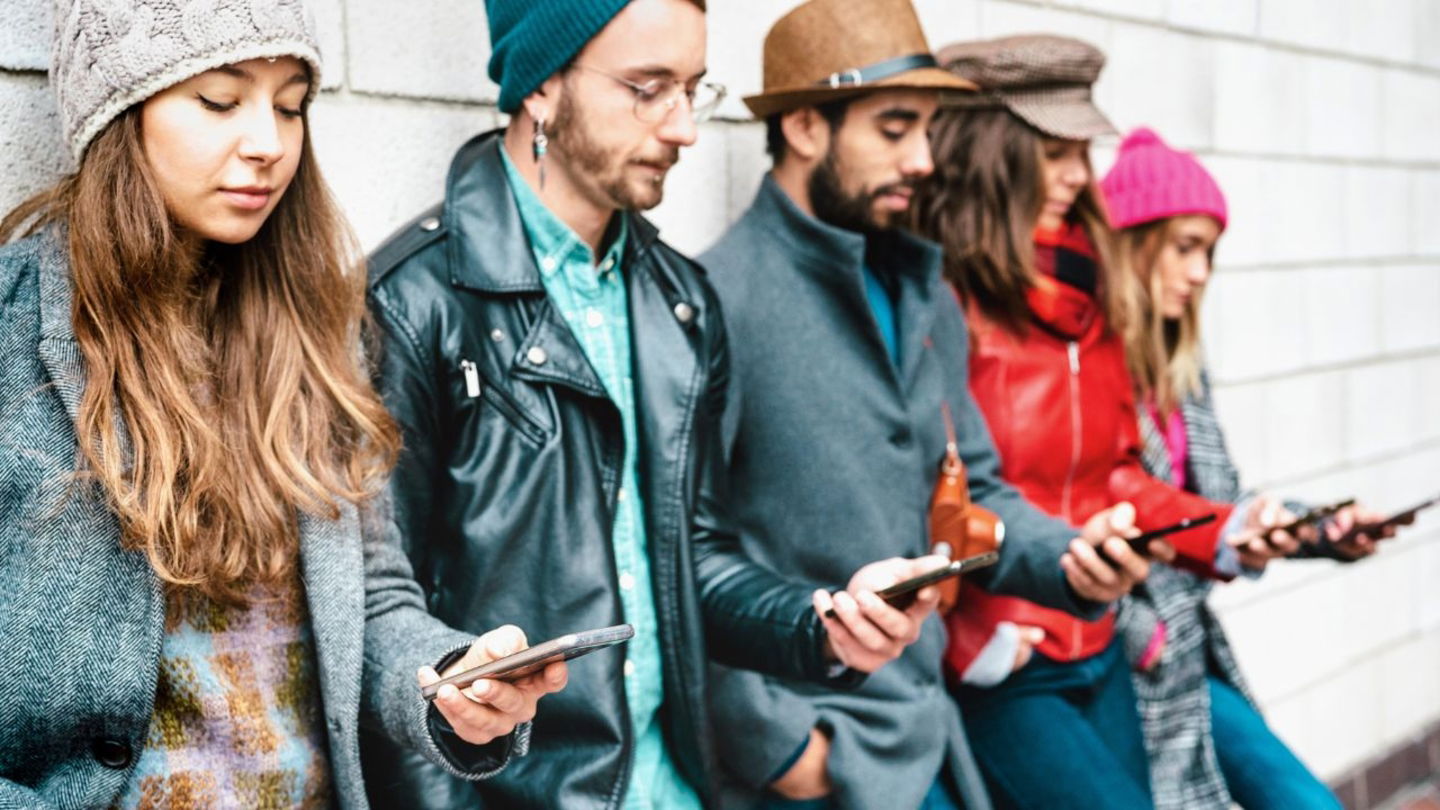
column 475, row 389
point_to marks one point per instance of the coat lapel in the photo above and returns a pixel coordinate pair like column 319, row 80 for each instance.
column 58, row 349
column 333, row 570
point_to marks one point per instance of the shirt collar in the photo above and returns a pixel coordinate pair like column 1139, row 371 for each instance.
column 556, row 246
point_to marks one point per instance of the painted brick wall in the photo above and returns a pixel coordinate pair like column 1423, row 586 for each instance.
column 1322, row 120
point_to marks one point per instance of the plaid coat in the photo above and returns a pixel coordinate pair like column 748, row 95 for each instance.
column 1174, row 702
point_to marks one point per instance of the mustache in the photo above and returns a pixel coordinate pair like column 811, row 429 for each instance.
column 664, row 161
column 905, row 185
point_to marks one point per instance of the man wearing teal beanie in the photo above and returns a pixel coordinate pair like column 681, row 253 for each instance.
column 559, row 373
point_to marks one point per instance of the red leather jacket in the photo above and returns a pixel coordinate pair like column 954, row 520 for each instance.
column 1060, row 405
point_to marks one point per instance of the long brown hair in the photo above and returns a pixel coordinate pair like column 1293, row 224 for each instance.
column 226, row 391
column 1163, row 353
column 981, row 204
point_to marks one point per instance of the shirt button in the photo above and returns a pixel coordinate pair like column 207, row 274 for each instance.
column 430, row 224
column 607, row 264
column 116, row 754
column 594, row 319
column 537, row 356
column 497, row 335
column 629, row 668
column 549, row 263
column 627, row 581
column 620, row 495
column 684, row 313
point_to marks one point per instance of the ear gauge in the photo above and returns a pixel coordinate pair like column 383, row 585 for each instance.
column 539, row 145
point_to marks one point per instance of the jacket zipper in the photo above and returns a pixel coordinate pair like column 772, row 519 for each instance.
column 472, row 378
column 1072, row 350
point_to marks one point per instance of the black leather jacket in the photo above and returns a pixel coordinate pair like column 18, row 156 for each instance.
column 507, row 486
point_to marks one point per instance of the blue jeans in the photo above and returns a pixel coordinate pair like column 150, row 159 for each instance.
column 1261, row 773
column 940, row 797
column 1061, row 735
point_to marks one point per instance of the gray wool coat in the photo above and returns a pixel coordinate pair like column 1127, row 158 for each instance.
column 834, row 452
column 82, row 621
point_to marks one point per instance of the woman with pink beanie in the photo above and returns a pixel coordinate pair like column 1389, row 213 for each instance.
column 1207, row 742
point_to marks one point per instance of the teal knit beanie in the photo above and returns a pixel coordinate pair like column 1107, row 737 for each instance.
column 531, row 39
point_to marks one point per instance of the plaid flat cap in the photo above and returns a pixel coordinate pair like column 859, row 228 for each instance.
column 1044, row 80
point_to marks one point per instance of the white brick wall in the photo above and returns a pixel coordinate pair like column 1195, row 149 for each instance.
column 1320, row 117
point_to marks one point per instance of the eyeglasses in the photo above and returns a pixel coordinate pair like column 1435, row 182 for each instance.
column 657, row 98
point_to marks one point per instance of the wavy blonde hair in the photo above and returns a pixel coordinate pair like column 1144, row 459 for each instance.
column 226, row 389
column 1163, row 354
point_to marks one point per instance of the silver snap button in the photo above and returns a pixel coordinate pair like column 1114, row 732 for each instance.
column 496, row 335
column 684, row 313
column 429, row 224
column 537, row 356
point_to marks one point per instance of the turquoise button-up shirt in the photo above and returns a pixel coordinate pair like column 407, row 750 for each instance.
column 591, row 296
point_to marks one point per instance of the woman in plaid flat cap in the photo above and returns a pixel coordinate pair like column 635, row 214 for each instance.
column 1047, row 697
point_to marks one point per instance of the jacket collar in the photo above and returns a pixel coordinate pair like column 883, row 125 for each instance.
column 488, row 248
column 836, row 257
column 824, row 248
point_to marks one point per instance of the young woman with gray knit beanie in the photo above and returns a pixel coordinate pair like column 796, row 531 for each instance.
column 189, row 446
column 1208, row 744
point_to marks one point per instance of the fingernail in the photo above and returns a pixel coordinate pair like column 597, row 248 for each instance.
column 480, row 688
column 448, row 692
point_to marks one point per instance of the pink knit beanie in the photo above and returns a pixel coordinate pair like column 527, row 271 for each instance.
column 1151, row 181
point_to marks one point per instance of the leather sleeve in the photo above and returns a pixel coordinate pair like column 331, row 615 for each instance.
column 405, row 377
column 754, row 618
column 400, row 634
column 1158, row 503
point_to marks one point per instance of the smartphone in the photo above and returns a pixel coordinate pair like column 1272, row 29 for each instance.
column 1315, row 515
column 902, row 594
column 1140, row 544
column 1401, row 518
column 532, row 660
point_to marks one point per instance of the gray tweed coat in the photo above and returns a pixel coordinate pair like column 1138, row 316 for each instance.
column 1174, row 701
column 81, row 620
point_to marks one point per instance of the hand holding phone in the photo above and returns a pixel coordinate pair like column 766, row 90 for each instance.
column 1404, row 517
column 1314, row 515
column 1140, row 543
column 902, row 594
column 529, row 661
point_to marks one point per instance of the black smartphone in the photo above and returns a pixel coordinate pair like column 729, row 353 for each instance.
column 902, row 594
column 532, row 660
column 1140, row 543
column 1401, row 518
column 1314, row 515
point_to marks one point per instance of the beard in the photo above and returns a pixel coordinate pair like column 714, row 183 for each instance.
column 853, row 212
column 602, row 167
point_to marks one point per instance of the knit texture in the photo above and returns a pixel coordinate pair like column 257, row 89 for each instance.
column 112, row 54
column 238, row 720
column 530, row 40
column 1151, row 180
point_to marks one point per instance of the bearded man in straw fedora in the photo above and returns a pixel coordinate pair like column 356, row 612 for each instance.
column 848, row 352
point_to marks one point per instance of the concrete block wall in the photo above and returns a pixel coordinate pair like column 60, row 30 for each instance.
column 1320, row 117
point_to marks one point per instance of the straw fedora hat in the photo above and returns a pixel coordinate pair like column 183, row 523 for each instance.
column 829, row 49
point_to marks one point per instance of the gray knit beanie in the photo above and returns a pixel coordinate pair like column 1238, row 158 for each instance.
column 112, row 54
